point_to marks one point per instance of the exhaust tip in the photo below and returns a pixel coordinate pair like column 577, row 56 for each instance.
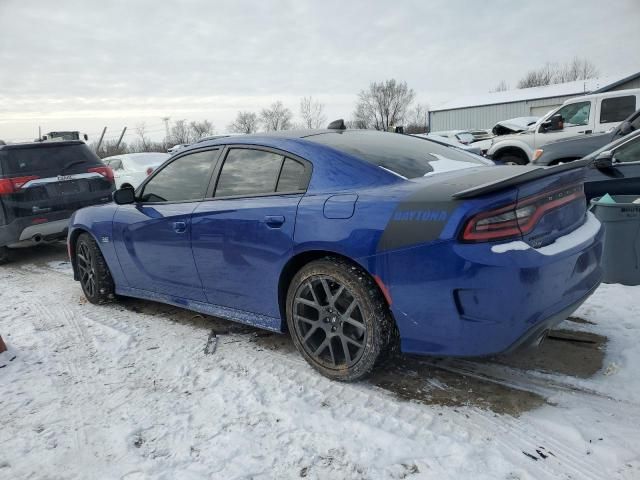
column 37, row 238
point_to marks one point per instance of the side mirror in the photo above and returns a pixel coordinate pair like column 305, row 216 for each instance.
column 603, row 160
column 625, row 128
column 124, row 196
column 556, row 122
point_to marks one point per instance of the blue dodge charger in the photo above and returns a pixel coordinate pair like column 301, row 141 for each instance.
column 355, row 242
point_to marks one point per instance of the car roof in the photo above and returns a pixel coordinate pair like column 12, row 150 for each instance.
column 62, row 143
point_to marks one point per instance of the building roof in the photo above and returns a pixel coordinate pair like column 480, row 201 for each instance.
column 578, row 87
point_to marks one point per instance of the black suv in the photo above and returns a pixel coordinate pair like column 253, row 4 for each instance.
column 41, row 185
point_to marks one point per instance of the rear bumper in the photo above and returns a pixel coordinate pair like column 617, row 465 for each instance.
column 23, row 231
column 454, row 299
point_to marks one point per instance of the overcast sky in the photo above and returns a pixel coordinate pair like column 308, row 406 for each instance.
column 88, row 63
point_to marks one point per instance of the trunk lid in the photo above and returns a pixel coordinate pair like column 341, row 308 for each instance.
column 547, row 203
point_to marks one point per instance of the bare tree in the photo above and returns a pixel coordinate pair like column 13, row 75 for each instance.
column 200, row 130
column 551, row 73
column 245, row 122
column 539, row 77
column 577, row 69
column 312, row 113
column 180, row 132
column 276, row 117
column 501, row 87
column 383, row 104
column 141, row 130
column 417, row 119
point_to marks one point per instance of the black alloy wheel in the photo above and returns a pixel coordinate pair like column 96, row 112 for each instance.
column 338, row 319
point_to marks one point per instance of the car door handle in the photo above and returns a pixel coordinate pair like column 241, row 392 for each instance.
column 274, row 221
column 180, row 227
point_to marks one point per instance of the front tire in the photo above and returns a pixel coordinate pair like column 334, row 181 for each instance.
column 338, row 319
column 513, row 159
column 93, row 271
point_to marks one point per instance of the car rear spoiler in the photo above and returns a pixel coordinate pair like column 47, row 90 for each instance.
column 513, row 180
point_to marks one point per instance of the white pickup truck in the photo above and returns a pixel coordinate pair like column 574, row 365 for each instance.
column 577, row 116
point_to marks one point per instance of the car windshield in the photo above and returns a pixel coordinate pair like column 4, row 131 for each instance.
column 404, row 155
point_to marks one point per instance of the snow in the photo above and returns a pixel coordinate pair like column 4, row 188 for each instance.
column 444, row 164
column 588, row 230
column 130, row 391
column 577, row 87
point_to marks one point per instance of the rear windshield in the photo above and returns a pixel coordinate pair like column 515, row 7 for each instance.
column 404, row 155
column 50, row 159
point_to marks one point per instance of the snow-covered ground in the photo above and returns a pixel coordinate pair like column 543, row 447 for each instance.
column 137, row 390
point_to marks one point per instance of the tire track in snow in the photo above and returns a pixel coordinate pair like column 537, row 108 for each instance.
column 371, row 406
column 363, row 405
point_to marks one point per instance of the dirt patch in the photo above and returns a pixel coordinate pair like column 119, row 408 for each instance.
column 415, row 379
column 567, row 352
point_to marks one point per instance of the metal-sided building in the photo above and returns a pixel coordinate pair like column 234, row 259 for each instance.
column 484, row 111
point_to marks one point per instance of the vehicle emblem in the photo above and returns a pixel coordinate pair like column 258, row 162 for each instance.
column 104, row 239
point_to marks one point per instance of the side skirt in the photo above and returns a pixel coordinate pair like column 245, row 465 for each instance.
column 254, row 319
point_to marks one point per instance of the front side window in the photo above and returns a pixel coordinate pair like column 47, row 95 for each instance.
column 617, row 109
column 248, row 172
column 629, row 152
column 575, row 114
column 184, row 179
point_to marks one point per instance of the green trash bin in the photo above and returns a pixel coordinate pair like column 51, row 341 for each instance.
column 621, row 222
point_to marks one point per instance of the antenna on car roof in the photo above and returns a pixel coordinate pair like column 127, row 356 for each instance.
column 337, row 125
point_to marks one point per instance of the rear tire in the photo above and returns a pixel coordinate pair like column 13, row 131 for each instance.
column 4, row 255
column 338, row 319
column 512, row 159
column 93, row 271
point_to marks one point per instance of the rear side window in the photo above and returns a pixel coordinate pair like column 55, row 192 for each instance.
column 617, row 109
column 404, row 155
column 184, row 179
column 292, row 177
column 47, row 160
column 114, row 164
column 248, row 172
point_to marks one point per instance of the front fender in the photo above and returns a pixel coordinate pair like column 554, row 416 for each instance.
column 511, row 143
column 98, row 222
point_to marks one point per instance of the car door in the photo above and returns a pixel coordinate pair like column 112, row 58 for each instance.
column 577, row 120
column 243, row 235
column 623, row 178
column 153, row 236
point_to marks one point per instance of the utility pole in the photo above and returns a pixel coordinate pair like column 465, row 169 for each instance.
column 39, row 133
column 120, row 139
column 104, row 130
column 166, row 128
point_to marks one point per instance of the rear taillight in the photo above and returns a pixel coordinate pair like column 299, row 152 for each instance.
column 104, row 171
column 518, row 218
column 12, row 185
